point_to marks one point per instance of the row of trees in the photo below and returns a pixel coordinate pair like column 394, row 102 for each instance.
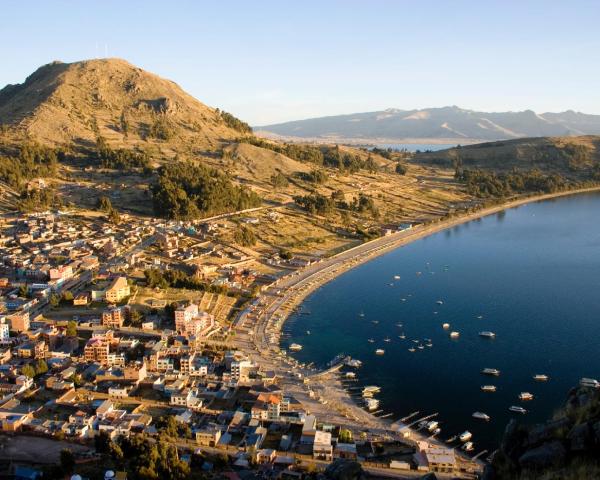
column 32, row 161
column 316, row 203
column 490, row 184
column 234, row 122
column 178, row 279
column 186, row 190
column 121, row 159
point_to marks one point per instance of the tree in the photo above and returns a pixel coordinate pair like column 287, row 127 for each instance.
column 104, row 204
column 244, row 236
column 41, row 367
column 28, row 371
column 23, row 291
column 102, row 442
column 54, row 300
column 67, row 460
column 67, row 296
column 401, row 169
column 71, row 329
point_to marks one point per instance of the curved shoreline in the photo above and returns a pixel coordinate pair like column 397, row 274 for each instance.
column 338, row 264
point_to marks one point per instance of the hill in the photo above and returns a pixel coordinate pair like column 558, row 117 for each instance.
column 71, row 104
column 447, row 124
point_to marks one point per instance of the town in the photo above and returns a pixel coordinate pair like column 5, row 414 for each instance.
column 152, row 328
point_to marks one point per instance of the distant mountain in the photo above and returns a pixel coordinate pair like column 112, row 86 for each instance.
column 452, row 123
column 71, row 104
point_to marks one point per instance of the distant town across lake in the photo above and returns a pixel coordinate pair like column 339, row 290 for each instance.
column 530, row 276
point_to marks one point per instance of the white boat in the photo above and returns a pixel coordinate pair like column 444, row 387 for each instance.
column 354, row 363
column 517, row 409
column 454, row 334
column 487, row 334
column 350, row 375
column 308, row 332
column 396, row 277
column 589, row 382
column 372, row 404
column 432, row 425
column 541, row 378
column 491, row 371
column 402, row 337
column 437, row 431
column 524, row 396
column 371, row 340
column 440, row 302
column 387, row 339
column 465, row 436
column 468, row 446
column 411, row 349
column 371, row 389
column 446, row 326
column 421, row 346
column 481, row 416
column 380, row 351
column 295, row 347
column 488, row 388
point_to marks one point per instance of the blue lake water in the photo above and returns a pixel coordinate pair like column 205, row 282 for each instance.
column 413, row 147
column 532, row 273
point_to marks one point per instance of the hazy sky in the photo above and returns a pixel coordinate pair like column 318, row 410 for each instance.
column 270, row 61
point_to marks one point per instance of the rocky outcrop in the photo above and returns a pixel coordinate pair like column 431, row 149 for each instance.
column 572, row 438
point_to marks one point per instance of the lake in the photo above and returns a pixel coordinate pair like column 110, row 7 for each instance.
column 530, row 274
column 413, row 147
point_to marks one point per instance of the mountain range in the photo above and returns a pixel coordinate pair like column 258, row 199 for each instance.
column 447, row 123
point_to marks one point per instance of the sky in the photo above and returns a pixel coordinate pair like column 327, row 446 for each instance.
column 274, row 61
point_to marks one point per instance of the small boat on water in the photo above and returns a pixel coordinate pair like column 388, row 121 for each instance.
column 429, row 344
column 465, row 436
column 371, row 389
column 420, row 346
column 479, row 317
column 354, row 363
column 308, row 332
column 488, row 388
column 452, row 439
column 517, row 409
column 445, row 326
column 525, row 396
column 454, row 334
column 403, row 299
column 399, row 325
column 387, row 339
column 437, row 431
column 371, row 340
column 350, row 375
column 491, row 371
column 396, row 277
column 411, row 349
column 487, row 334
column 589, row 382
column 481, row 416
column 541, row 378
column 380, row 351
column 361, row 314
column 468, row 446
column 375, row 322
column 440, row 302
column 372, row 404
column 432, row 425
column 402, row 337
column 295, row 347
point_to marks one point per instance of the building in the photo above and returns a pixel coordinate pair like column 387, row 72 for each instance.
column 117, row 290
column 4, row 331
column 440, row 459
column 97, row 350
column 184, row 315
column 114, row 317
column 19, row 322
column 322, row 448
column 208, row 436
column 62, row 273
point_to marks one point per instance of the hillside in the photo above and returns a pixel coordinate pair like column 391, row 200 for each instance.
column 447, row 124
column 71, row 104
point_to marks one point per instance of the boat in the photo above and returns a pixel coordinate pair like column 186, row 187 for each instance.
column 488, row 388
column 487, row 334
column 452, row 439
column 418, row 273
column 396, row 277
column 371, row 389
column 350, row 375
column 517, row 409
column 372, row 404
column 420, row 346
column 524, row 396
column 437, row 431
column 454, row 334
column 380, row 351
column 432, row 425
column 308, row 332
column 481, row 416
column 439, row 302
column 429, row 344
column 479, row 317
column 403, row 299
column 465, row 436
column 446, row 326
column 375, row 322
column 371, row 340
column 399, row 325
column 387, row 339
column 361, row 314
column 491, row 371
column 411, row 349
column 354, row 363
column 402, row 337
column 468, row 446
column 295, row 347
column 541, row 378
column 589, row 382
